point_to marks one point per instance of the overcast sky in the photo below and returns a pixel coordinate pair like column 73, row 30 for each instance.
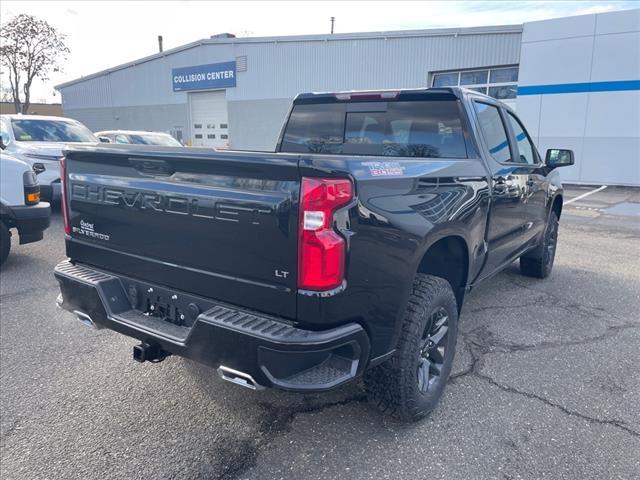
column 101, row 35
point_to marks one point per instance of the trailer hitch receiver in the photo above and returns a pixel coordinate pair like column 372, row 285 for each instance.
column 146, row 352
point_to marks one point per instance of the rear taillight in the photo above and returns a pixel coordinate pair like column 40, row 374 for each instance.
column 65, row 200
column 322, row 250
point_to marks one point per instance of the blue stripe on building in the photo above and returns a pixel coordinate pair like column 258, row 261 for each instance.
column 613, row 86
column 498, row 147
column 521, row 136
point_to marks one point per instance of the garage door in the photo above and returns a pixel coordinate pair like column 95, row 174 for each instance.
column 209, row 121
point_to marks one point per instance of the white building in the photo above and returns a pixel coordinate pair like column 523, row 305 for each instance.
column 579, row 88
column 575, row 81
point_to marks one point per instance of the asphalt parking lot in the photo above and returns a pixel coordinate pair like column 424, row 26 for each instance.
column 546, row 384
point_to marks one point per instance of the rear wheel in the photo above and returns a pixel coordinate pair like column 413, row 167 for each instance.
column 5, row 242
column 539, row 262
column 409, row 385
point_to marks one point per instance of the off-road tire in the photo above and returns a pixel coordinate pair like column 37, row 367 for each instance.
column 5, row 242
column 394, row 386
column 539, row 262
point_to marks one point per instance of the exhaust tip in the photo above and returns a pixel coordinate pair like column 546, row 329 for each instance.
column 239, row 378
column 86, row 320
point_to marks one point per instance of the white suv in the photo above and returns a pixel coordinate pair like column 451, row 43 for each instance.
column 39, row 141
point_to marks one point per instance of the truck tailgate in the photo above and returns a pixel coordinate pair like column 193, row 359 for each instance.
column 219, row 225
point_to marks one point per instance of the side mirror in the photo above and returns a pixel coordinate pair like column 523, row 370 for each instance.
column 557, row 157
column 4, row 139
column 38, row 168
column 104, row 139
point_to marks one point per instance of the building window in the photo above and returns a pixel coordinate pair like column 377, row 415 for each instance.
column 476, row 77
column 211, row 136
column 446, row 80
column 224, row 137
column 224, row 125
column 499, row 82
column 198, row 135
column 197, row 125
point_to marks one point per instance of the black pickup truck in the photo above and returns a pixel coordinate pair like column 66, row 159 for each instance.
column 347, row 253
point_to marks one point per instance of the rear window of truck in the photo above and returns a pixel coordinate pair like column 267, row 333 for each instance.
column 395, row 129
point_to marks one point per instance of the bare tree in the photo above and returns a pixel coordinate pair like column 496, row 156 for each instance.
column 29, row 48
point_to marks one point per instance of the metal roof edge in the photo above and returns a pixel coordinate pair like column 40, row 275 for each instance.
column 493, row 29
column 516, row 28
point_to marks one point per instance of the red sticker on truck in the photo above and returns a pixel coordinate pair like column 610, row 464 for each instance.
column 384, row 169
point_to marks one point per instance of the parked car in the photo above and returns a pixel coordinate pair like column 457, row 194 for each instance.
column 38, row 140
column 138, row 138
column 346, row 253
column 20, row 205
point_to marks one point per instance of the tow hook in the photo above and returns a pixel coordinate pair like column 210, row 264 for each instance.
column 146, row 352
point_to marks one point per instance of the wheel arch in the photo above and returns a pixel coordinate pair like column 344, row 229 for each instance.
column 448, row 257
column 556, row 205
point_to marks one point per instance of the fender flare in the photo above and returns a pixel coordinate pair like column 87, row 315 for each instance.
column 438, row 233
column 552, row 201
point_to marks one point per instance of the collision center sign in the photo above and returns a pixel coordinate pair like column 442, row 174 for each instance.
column 204, row 77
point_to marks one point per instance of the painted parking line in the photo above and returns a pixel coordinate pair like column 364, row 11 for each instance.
column 580, row 197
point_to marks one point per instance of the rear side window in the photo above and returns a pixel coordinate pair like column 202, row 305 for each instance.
column 493, row 131
column 396, row 129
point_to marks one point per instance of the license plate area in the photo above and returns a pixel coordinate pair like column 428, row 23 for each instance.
column 165, row 304
column 158, row 307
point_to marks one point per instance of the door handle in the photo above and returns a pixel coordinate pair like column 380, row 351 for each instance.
column 152, row 167
column 504, row 186
column 500, row 187
column 500, row 180
column 502, row 183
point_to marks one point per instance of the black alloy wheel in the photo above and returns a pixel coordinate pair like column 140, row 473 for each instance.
column 539, row 262
column 410, row 383
column 432, row 353
column 552, row 242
